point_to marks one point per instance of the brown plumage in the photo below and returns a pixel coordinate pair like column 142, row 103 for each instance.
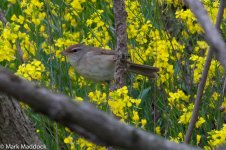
column 98, row 64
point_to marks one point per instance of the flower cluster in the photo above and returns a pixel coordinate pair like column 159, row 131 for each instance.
column 177, row 99
column 69, row 140
column 98, row 35
column 84, row 144
column 186, row 117
column 120, row 103
column 190, row 20
column 178, row 139
column 217, row 137
column 31, row 71
column 81, row 142
column 8, row 39
column 152, row 45
column 97, row 97
column 197, row 63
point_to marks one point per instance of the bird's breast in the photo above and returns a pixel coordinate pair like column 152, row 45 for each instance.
column 96, row 67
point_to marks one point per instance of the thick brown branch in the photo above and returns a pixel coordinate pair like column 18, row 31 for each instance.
column 69, row 113
column 120, row 24
column 203, row 79
column 15, row 127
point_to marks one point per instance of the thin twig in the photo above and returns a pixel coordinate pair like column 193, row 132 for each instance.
column 222, row 108
column 122, row 52
column 203, row 79
column 2, row 18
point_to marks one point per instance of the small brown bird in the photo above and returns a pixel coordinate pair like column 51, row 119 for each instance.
column 98, row 64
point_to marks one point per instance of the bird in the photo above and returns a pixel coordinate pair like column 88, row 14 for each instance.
column 97, row 64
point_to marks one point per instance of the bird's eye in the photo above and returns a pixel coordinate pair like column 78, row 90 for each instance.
column 75, row 49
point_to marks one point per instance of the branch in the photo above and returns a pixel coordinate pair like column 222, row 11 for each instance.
column 202, row 83
column 213, row 37
column 120, row 23
column 69, row 113
column 2, row 18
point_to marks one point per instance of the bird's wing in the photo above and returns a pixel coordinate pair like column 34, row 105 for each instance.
column 105, row 52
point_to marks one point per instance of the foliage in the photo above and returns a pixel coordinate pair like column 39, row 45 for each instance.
column 161, row 33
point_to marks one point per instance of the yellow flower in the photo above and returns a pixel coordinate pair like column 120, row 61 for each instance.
column 135, row 85
column 12, row 1
column 68, row 130
column 215, row 96
column 158, row 130
column 89, row 22
column 189, row 19
column 137, row 102
column 98, row 35
column 135, row 116
column 42, row 28
column 217, row 137
column 80, row 99
column 119, row 101
column 59, row 55
column 176, row 140
column 200, row 122
column 21, row 19
column 176, row 99
column 7, row 51
column 27, row 27
column 84, row 144
column 32, row 71
column 143, row 122
column 198, row 138
column 181, row 136
column 36, row 21
column 207, row 148
column 76, row 4
column 98, row 97
column 185, row 118
column 68, row 140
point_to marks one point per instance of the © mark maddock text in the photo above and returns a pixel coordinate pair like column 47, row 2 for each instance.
column 24, row 146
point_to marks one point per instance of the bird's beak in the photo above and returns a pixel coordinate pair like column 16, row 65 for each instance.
column 63, row 53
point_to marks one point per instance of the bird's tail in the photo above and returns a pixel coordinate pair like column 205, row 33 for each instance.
column 145, row 70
